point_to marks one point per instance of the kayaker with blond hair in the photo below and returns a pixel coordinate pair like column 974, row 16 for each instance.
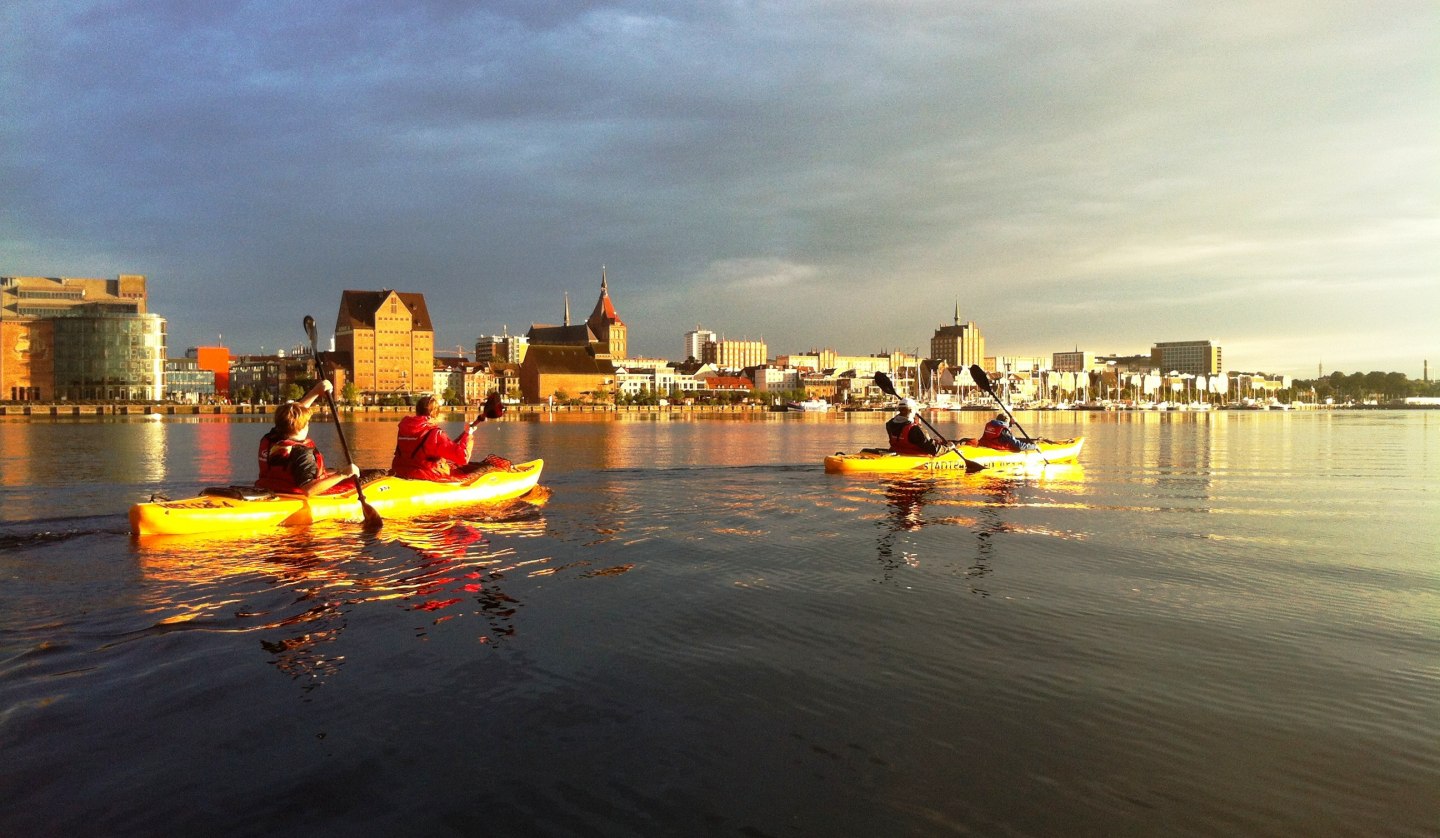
column 288, row 459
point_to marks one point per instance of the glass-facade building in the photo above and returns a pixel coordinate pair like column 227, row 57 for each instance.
column 185, row 381
column 109, row 356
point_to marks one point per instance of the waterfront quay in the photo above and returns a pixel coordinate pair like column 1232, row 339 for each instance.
column 265, row 410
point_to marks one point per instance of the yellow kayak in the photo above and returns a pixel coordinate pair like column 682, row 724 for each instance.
column 874, row 461
column 242, row 508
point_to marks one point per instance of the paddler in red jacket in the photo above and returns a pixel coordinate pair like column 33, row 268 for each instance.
column 288, row 459
column 997, row 435
column 906, row 435
column 423, row 451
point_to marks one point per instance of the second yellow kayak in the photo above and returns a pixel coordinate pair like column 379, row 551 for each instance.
column 881, row 462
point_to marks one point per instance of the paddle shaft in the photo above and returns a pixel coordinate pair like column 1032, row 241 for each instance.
column 983, row 379
column 888, row 387
column 368, row 511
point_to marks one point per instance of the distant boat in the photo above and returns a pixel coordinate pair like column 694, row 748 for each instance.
column 809, row 406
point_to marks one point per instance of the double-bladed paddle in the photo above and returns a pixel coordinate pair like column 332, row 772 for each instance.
column 372, row 518
column 888, row 387
column 982, row 380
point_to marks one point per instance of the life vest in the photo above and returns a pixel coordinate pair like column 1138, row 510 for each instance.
column 998, row 436
column 900, row 442
column 423, row 452
column 274, row 460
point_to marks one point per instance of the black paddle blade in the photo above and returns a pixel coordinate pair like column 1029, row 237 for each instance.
column 310, row 329
column 373, row 521
column 883, row 382
column 982, row 379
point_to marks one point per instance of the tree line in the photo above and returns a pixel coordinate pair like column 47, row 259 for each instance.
column 1360, row 386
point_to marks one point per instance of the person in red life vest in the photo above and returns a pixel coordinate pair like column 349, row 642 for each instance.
column 997, row 435
column 906, row 435
column 289, row 461
column 423, row 451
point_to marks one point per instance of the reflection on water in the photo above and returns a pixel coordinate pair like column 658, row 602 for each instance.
column 1226, row 623
column 906, row 500
column 298, row 588
column 987, row 498
column 213, row 441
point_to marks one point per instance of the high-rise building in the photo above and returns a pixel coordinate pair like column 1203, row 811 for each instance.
column 1196, row 357
column 959, row 345
column 695, row 342
column 734, row 354
column 506, row 348
column 1076, row 361
column 387, row 340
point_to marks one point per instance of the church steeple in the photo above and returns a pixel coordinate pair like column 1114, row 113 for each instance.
column 567, row 308
column 957, row 311
column 604, row 312
column 607, row 326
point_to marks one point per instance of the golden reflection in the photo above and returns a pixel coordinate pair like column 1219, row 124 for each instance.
column 142, row 449
column 18, row 464
column 906, row 499
column 988, row 494
column 212, row 451
column 299, row 588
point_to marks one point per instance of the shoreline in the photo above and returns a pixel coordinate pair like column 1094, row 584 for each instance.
column 264, row 411
column 162, row 409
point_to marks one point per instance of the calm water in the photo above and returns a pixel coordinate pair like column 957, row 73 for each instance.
column 1221, row 624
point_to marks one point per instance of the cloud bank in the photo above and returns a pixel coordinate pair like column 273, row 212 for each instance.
column 1102, row 174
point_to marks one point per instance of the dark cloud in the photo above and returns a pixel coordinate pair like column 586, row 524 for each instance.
column 1106, row 174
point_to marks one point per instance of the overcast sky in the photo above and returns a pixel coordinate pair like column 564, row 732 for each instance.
column 1100, row 174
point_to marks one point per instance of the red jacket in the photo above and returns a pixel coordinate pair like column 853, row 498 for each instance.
column 905, row 438
column 284, row 463
column 998, row 436
column 424, row 452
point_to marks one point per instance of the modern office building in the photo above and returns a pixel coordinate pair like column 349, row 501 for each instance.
column 1196, row 357
column 1076, row 361
column 734, row 354
column 505, row 348
column 386, row 341
column 216, row 359
column 103, row 354
column 186, row 381
column 53, row 296
column 30, row 356
column 695, row 343
column 958, row 345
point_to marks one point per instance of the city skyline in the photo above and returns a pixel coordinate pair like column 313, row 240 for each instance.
column 1098, row 175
